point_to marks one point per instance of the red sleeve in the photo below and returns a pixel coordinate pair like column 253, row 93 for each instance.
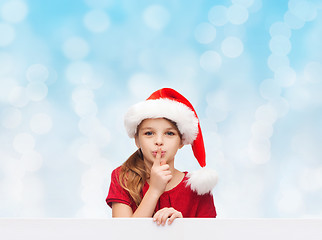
column 116, row 192
column 206, row 207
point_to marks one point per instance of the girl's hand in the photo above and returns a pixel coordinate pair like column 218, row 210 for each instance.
column 160, row 174
column 161, row 216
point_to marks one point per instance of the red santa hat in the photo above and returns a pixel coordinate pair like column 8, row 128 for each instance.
column 168, row 103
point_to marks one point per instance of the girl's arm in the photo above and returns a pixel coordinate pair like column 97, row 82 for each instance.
column 160, row 176
column 145, row 209
column 121, row 210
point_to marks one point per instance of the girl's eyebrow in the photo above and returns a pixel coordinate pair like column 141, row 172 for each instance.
column 149, row 128
column 146, row 128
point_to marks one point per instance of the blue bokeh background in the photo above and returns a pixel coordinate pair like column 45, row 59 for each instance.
column 69, row 70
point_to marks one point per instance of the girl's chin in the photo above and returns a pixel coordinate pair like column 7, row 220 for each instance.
column 151, row 160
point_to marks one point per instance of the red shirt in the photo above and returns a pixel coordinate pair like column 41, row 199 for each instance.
column 181, row 198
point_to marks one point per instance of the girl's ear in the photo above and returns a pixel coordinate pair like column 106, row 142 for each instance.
column 137, row 143
column 181, row 145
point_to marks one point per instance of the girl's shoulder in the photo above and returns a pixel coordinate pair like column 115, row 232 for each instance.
column 116, row 173
column 117, row 170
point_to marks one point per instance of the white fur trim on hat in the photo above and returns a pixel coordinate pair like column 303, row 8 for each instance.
column 184, row 117
column 202, row 181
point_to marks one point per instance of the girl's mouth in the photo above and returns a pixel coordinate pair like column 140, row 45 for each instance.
column 154, row 153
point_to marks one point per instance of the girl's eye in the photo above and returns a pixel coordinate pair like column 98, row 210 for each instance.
column 170, row 133
column 149, row 133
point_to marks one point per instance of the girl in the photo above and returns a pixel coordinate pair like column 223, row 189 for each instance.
column 148, row 184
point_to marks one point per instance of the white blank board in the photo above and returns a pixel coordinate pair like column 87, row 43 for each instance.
column 145, row 228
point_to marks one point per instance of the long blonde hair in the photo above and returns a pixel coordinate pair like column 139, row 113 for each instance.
column 133, row 173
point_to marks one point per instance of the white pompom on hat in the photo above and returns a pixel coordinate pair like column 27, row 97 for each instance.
column 168, row 103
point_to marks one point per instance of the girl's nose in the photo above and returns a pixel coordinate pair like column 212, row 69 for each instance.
column 158, row 140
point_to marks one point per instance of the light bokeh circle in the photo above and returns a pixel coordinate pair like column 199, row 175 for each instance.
column 14, row 11
column 205, row 33
column 76, row 48
column 41, row 123
column 232, row 47
column 217, row 15
column 156, row 17
column 37, row 73
column 11, row 117
column 97, row 21
column 23, row 143
column 7, row 33
column 37, row 91
column 237, row 14
column 210, row 61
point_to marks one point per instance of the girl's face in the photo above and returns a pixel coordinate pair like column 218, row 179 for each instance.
column 157, row 133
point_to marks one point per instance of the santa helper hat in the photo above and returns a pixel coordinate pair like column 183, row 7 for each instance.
column 168, row 103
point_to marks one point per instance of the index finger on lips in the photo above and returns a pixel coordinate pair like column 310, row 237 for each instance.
column 162, row 160
column 158, row 157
